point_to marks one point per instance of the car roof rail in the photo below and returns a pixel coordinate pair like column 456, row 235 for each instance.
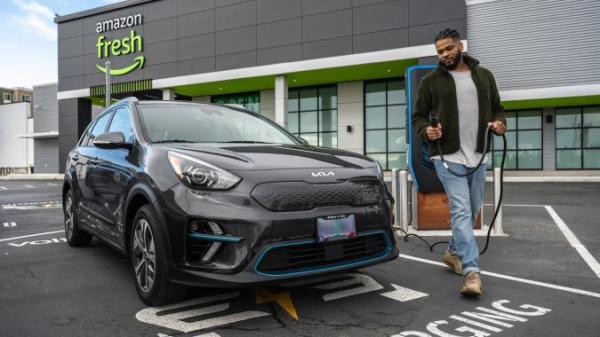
column 126, row 99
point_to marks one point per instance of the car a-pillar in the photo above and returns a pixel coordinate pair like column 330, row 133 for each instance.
column 74, row 115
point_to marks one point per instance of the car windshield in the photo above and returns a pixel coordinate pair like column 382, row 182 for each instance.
column 203, row 123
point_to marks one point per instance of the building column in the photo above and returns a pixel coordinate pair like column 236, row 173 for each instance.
column 281, row 100
column 267, row 103
column 168, row 94
column 351, row 125
column 74, row 115
column 549, row 139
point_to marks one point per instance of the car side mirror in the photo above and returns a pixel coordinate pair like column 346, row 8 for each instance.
column 111, row 140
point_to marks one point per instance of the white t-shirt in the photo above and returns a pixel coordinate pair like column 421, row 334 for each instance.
column 468, row 121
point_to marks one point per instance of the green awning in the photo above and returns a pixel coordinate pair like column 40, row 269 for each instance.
column 551, row 102
column 300, row 79
column 122, row 88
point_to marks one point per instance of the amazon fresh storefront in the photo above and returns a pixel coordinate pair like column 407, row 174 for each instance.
column 330, row 71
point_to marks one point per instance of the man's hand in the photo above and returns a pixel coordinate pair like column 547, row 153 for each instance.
column 497, row 127
column 434, row 133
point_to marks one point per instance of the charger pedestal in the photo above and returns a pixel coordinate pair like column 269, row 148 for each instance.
column 434, row 212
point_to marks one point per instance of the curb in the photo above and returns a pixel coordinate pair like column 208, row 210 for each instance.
column 534, row 179
column 39, row 176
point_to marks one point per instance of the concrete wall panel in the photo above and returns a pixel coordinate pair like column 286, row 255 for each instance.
column 249, row 32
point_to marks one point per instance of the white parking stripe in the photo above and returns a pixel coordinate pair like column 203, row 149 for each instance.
column 575, row 243
column 28, row 187
column 31, row 235
column 570, row 236
column 210, row 334
column 10, row 224
column 402, row 294
column 3, row 188
column 179, row 320
column 517, row 205
column 511, row 278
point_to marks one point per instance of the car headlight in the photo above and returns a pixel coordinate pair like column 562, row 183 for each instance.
column 198, row 174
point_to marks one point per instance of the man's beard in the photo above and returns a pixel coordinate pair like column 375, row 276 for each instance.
column 455, row 62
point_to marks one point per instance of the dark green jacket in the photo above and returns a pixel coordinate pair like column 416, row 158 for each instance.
column 437, row 92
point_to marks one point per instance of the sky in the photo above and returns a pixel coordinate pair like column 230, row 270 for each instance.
column 28, row 47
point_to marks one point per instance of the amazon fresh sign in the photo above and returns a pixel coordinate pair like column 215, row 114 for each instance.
column 127, row 45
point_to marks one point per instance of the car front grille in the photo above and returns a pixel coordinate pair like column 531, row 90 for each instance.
column 294, row 258
column 298, row 196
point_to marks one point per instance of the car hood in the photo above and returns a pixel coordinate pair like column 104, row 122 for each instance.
column 273, row 156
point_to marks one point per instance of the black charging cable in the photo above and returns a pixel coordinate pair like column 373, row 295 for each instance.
column 434, row 123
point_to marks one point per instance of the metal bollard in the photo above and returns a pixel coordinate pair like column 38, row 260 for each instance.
column 498, row 223
column 395, row 194
column 404, row 199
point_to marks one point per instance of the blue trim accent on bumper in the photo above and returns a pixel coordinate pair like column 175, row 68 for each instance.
column 331, row 267
column 409, row 107
column 215, row 238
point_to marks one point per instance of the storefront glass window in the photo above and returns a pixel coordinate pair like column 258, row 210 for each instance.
column 385, row 126
column 249, row 100
column 312, row 114
column 523, row 141
column 578, row 138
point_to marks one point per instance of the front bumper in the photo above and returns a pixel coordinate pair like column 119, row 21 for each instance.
column 266, row 237
column 252, row 274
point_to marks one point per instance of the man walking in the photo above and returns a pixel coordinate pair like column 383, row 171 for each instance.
column 465, row 98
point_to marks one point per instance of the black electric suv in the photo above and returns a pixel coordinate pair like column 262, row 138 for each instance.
column 214, row 195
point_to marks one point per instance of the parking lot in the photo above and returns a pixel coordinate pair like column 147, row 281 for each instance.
column 542, row 279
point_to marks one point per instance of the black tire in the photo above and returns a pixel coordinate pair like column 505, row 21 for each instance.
column 154, row 288
column 75, row 236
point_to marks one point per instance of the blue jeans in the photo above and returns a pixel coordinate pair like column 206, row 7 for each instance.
column 465, row 195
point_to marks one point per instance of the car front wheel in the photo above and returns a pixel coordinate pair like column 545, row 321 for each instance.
column 147, row 256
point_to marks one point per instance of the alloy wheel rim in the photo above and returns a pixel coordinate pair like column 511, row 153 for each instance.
column 69, row 217
column 144, row 255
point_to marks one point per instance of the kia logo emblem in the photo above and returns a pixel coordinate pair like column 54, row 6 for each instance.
column 322, row 174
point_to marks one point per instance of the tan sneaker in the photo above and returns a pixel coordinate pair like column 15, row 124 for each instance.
column 453, row 262
column 472, row 286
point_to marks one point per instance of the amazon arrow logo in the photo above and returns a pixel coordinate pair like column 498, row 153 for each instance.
column 138, row 63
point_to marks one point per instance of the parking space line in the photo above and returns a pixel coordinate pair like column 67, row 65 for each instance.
column 516, row 205
column 511, row 278
column 33, row 203
column 575, row 243
column 3, row 188
column 569, row 235
column 30, row 235
column 28, row 187
column 210, row 334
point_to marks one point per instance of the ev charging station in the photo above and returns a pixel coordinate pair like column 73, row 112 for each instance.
column 423, row 197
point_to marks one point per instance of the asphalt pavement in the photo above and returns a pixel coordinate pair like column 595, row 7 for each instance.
column 537, row 281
